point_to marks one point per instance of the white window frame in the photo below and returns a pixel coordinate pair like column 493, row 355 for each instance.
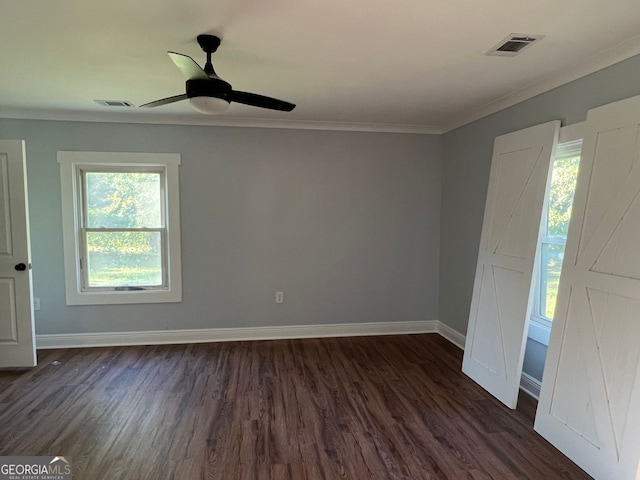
column 569, row 144
column 71, row 166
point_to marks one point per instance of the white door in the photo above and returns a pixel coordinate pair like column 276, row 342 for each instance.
column 589, row 404
column 17, row 342
column 502, row 292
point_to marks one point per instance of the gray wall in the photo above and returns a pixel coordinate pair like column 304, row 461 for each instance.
column 535, row 355
column 465, row 174
column 467, row 160
column 346, row 224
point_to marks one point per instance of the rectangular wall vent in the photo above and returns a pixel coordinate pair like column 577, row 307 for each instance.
column 514, row 44
column 114, row 103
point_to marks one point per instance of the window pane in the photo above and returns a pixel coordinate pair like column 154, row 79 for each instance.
column 123, row 200
column 117, row 259
column 552, row 256
column 563, row 184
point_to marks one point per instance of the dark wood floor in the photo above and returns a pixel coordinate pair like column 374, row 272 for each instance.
column 357, row 408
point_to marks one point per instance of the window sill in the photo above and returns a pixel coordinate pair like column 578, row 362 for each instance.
column 124, row 298
column 539, row 331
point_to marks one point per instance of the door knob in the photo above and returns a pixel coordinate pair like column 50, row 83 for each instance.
column 21, row 267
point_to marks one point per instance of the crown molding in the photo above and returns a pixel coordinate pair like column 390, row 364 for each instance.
column 599, row 61
column 213, row 121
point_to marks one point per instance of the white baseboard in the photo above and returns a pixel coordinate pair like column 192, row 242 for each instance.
column 206, row 335
column 452, row 335
column 530, row 386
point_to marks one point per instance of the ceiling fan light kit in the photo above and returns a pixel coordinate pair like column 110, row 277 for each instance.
column 209, row 96
column 208, row 93
column 209, row 105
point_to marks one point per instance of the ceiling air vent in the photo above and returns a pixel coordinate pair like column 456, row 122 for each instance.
column 514, row 44
column 114, row 103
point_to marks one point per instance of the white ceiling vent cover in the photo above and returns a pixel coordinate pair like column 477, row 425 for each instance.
column 114, row 103
column 514, row 44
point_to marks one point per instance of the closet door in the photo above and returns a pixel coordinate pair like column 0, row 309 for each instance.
column 17, row 332
column 589, row 404
column 502, row 292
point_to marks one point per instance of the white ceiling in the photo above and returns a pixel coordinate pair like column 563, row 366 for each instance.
column 411, row 65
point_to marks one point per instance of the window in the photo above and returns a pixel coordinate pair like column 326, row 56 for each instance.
column 555, row 225
column 121, row 227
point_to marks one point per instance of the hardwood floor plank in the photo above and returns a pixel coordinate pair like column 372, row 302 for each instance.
column 393, row 407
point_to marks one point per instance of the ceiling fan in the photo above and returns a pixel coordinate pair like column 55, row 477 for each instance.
column 207, row 92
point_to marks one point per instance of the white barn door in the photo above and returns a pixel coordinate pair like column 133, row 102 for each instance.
column 589, row 404
column 502, row 292
column 17, row 341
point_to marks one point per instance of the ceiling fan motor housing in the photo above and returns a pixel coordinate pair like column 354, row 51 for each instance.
column 207, row 92
column 213, row 87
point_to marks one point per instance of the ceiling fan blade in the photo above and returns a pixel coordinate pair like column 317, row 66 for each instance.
column 164, row 101
column 188, row 66
column 261, row 101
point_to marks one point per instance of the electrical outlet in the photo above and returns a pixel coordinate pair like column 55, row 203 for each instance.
column 279, row 297
column 36, row 303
